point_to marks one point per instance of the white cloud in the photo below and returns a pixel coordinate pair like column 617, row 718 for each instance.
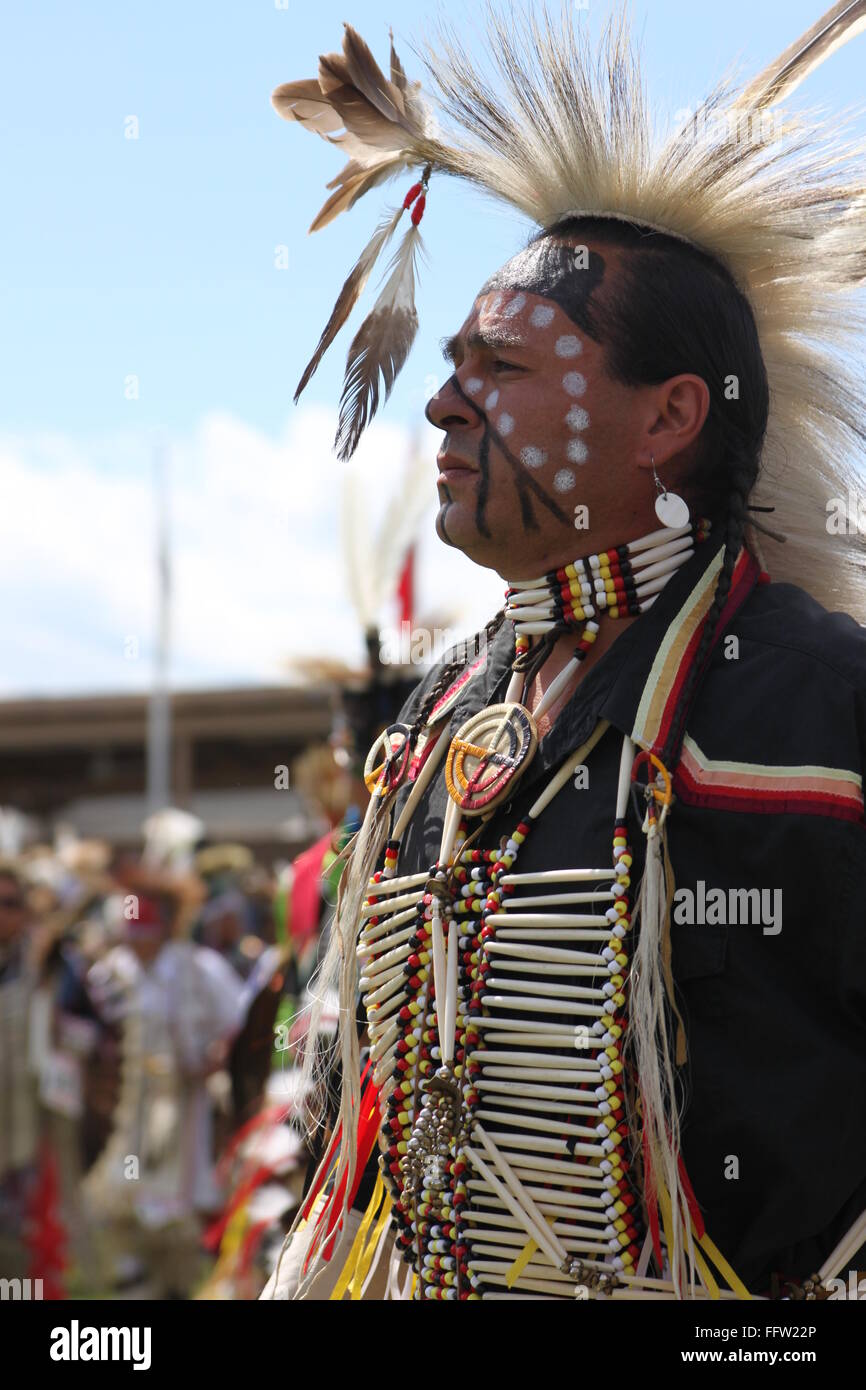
column 258, row 574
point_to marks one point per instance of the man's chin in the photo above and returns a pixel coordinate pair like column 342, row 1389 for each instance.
column 459, row 529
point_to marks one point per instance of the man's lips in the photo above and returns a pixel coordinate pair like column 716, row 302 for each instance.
column 452, row 469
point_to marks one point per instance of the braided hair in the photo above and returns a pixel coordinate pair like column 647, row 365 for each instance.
column 670, row 309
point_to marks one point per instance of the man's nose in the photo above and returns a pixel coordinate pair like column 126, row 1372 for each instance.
column 450, row 407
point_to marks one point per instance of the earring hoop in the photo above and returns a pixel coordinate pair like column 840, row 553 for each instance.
column 671, row 510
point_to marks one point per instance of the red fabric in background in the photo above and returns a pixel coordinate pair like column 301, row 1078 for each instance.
column 306, row 896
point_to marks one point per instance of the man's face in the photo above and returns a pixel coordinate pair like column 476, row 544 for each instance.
column 534, row 425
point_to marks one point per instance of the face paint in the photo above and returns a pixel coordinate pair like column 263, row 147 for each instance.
column 514, row 428
column 553, row 270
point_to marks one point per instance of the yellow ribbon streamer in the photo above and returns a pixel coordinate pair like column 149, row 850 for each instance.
column 348, row 1271
column 366, row 1259
column 709, row 1248
column 520, row 1263
column 718, row 1259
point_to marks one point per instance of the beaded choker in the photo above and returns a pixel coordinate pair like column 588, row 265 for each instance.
column 622, row 582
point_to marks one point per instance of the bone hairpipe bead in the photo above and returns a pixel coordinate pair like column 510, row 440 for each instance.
column 544, row 1006
column 597, row 895
column 494, row 982
column 526, row 1206
column 547, row 919
column 540, row 1237
column 517, row 1061
column 558, row 876
column 505, row 948
column 392, row 905
column 366, row 949
column 547, row 968
column 387, row 886
column 519, row 1090
column 536, row 934
column 535, row 1122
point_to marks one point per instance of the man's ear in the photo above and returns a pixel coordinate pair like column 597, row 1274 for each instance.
column 675, row 415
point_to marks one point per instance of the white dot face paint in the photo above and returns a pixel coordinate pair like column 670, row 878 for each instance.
column 577, row 418
column 564, row 480
column 514, row 306
column 574, row 383
column 506, row 423
column 494, row 304
column 541, row 316
column 491, row 400
column 576, row 451
column 533, row 457
column 568, row 346
column 474, row 385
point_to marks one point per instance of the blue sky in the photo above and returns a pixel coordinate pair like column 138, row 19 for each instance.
column 155, row 257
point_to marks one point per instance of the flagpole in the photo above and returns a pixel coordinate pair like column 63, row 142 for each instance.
column 159, row 704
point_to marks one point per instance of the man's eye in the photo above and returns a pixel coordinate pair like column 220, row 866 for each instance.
column 500, row 363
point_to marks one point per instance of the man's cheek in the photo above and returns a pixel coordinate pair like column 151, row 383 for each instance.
column 550, row 442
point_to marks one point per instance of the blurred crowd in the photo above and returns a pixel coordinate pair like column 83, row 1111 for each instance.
column 152, row 1138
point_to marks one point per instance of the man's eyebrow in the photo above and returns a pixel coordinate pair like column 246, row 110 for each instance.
column 492, row 338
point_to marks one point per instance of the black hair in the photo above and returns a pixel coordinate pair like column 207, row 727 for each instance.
column 670, row 309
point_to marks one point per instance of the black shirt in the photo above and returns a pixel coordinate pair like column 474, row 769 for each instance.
column 769, row 797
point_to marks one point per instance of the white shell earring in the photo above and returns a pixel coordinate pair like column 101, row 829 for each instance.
column 671, row 510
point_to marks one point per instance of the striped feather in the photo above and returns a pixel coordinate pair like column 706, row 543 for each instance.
column 379, row 348
column 350, row 293
column 843, row 21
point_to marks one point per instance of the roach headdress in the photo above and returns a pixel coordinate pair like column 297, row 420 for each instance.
column 553, row 128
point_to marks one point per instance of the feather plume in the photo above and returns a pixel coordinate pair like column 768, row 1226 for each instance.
column 843, row 21
column 382, row 124
column 380, row 347
column 351, row 291
column 303, row 102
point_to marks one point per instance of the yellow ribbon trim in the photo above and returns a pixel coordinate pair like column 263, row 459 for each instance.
column 709, row 1248
column 366, row 1258
column 667, row 1219
column 520, row 1263
column 723, row 1267
column 526, row 1254
column 348, row 1270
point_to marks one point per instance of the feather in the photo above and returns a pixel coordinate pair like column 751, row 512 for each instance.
column 843, row 21
column 303, row 102
column 381, row 124
column 368, row 77
column 380, row 347
column 398, row 73
column 352, row 182
column 349, row 294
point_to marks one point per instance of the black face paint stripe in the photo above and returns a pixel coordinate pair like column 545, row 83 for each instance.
column 443, row 514
column 484, row 465
column 524, row 483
